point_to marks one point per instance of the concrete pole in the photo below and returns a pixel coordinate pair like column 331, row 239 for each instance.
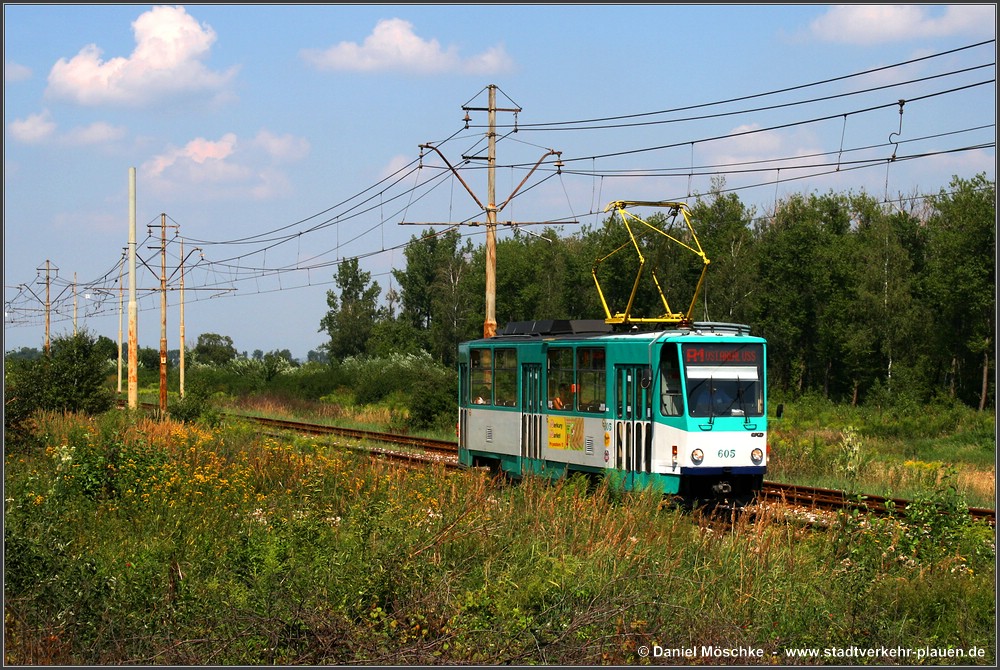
column 490, row 325
column 74, row 304
column 133, row 306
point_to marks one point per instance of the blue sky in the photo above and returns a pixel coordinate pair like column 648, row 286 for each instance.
column 279, row 140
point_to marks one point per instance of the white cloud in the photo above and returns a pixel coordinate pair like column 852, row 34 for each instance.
column 787, row 153
column 283, row 148
column 13, row 72
column 393, row 46
column 270, row 184
column 494, row 59
column 874, row 24
column 39, row 128
column 226, row 168
column 395, row 164
column 167, row 60
column 196, row 152
column 95, row 133
column 36, row 128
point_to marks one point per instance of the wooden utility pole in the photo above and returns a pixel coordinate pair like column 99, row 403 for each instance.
column 48, row 305
column 121, row 288
column 181, row 320
column 47, row 301
column 490, row 324
column 163, row 314
column 491, row 208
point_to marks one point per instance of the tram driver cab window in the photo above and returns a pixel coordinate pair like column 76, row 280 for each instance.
column 559, row 361
column 671, row 391
column 481, row 385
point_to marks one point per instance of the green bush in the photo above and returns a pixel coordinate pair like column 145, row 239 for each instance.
column 374, row 379
column 196, row 404
column 309, row 382
column 71, row 378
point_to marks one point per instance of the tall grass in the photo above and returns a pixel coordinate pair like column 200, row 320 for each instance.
column 132, row 542
column 903, row 452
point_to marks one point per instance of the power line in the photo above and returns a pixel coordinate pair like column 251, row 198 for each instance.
column 230, row 271
column 556, row 124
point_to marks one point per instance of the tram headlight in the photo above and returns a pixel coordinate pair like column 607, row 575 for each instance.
column 757, row 455
column 697, row 456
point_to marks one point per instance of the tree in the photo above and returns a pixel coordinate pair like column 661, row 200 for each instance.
column 880, row 329
column 313, row 356
column 71, row 378
column 24, row 353
column 435, row 301
column 394, row 336
column 149, row 358
column 351, row 318
column 106, row 348
column 214, row 349
column 274, row 363
column 794, row 287
column 961, row 282
column 725, row 227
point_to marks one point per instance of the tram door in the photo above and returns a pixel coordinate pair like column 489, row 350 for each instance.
column 463, row 410
column 633, row 418
column 531, row 410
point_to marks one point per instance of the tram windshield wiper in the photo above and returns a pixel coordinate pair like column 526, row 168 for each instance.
column 711, row 405
column 740, row 395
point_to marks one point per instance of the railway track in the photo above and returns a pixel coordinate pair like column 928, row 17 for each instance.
column 444, row 452
column 790, row 494
column 815, row 498
column 425, row 444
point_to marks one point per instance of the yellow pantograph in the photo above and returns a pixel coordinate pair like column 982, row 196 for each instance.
column 629, row 220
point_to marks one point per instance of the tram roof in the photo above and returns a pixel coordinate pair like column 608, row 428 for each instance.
column 574, row 329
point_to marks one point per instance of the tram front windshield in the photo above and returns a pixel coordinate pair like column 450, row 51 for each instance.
column 724, row 380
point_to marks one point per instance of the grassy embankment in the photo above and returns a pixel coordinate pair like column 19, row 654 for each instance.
column 901, row 453
column 129, row 541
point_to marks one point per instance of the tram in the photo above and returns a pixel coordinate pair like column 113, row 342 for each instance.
column 681, row 410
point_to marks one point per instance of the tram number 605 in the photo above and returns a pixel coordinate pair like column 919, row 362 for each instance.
column 727, row 453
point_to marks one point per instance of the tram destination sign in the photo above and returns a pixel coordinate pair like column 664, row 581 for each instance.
column 732, row 353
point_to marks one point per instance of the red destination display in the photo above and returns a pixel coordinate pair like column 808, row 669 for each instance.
column 722, row 354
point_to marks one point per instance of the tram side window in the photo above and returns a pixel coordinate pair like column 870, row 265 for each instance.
column 671, row 390
column 481, row 385
column 591, row 379
column 505, row 376
column 560, row 378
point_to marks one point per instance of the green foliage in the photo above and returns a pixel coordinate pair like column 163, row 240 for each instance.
column 897, row 451
column 935, row 527
column 432, row 402
column 395, row 337
column 72, row 378
column 24, row 353
column 435, row 292
column 196, row 404
column 214, row 349
column 374, row 379
column 256, row 551
column 353, row 315
column 308, row 382
column 851, row 459
column 149, row 359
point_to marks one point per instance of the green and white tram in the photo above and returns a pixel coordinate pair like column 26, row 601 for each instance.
column 683, row 411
